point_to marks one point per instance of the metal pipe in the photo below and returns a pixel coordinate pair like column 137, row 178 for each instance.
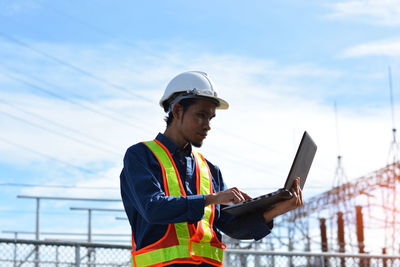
column 15, row 250
column 89, row 225
column 37, row 231
column 77, row 256
column 89, row 236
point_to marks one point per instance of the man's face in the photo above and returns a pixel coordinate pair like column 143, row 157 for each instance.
column 195, row 123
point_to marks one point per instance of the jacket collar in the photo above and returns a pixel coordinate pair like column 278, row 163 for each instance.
column 172, row 147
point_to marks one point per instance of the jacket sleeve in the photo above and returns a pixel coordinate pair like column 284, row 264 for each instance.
column 142, row 188
column 244, row 227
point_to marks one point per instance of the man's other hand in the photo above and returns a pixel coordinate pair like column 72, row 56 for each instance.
column 287, row 205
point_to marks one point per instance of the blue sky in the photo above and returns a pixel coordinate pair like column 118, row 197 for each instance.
column 80, row 82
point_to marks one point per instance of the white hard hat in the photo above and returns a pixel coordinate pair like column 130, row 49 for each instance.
column 191, row 84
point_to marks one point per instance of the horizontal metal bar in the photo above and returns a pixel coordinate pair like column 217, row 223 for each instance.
column 62, row 243
column 97, row 209
column 71, row 198
column 308, row 254
column 60, row 233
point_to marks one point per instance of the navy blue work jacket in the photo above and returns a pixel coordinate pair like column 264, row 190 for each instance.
column 150, row 211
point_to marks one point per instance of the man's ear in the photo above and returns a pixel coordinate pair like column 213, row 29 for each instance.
column 177, row 111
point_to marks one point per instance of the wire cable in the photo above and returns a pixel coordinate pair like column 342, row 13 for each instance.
column 74, row 131
column 52, row 94
column 74, row 102
column 58, row 186
column 43, row 155
column 104, row 81
column 73, row 67
column 68, row 137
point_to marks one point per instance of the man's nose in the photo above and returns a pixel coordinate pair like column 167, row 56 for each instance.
column 207, row 125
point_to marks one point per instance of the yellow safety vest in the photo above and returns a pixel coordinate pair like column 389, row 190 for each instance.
column 182, row 243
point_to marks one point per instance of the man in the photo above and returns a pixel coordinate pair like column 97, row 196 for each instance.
column 172, row 194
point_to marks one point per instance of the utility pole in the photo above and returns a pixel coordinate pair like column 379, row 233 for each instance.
column 393, row 157
column 343, row 201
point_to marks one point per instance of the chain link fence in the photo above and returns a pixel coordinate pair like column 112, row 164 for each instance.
column 30, row 253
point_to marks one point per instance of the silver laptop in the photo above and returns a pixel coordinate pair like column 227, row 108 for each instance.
column 300, row 168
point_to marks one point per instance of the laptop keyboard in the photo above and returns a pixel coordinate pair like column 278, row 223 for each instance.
column 263, row 196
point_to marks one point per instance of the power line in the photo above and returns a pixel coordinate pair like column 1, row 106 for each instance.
column 4, row 140
column 95, row 77
column 58, row 133
column 91, row 75
column 227, row 155
column 74, row 95
column 58, row 186
column 102, row 31
column 107, row 33
column 75, row 131
column 73, row 67
column 249, row 141
column 62, row 98
column 35, row 78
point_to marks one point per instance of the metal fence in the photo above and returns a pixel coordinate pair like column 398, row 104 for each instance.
column 252, row 258
column 30, row 253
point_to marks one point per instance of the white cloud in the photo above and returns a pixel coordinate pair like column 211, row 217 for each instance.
column 380, row 12
column 389, row 48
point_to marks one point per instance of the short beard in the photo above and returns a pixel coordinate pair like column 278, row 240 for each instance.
column 197, row 144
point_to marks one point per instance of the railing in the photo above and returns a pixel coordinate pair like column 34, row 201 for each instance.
column 31, row 253
column 244, row 257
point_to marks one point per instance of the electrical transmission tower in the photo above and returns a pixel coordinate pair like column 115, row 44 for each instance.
column 340, row 213
column 369, row 203
column 363, row 191
column 389, row 193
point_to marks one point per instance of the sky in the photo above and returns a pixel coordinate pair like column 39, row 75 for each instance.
column 80, row 82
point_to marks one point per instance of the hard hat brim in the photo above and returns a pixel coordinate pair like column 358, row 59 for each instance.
column 222, row 104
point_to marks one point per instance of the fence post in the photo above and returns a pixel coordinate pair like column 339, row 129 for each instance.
column 77, row 256
column 15, row 250
column 227, row 259
column 56, row 256
column 322, row 261
column 37, row 232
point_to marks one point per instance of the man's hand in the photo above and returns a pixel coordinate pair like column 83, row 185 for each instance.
column 229, row 196
column 287, row 205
